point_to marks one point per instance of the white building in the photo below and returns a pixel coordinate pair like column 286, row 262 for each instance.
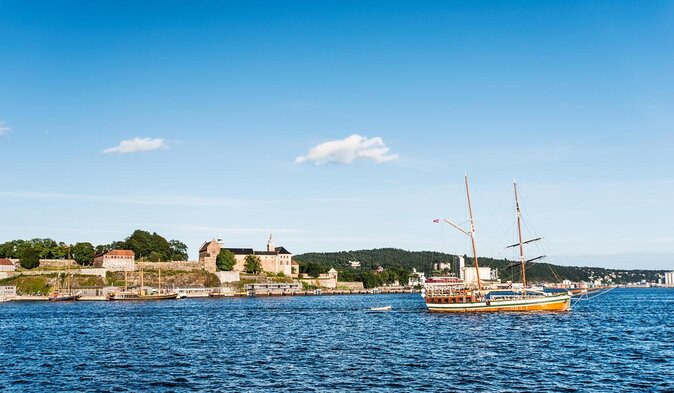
column 7, row 291
column 469, row 275
column 117, row 261
column 416, row 278
column 7, row 266
column 669, row 279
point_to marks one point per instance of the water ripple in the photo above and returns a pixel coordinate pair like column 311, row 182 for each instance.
column 618, row 342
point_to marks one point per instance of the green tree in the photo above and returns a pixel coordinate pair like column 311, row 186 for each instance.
column 371, row 280
column 30, row 259
column 314, row 269
column 225, row 260
column 83, row 253
column 253, row 265
column 144, row 243
column 178, row 250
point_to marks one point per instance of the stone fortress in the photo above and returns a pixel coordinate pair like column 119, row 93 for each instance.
column 274, row 259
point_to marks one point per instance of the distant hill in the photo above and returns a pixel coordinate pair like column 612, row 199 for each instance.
column 423, row 261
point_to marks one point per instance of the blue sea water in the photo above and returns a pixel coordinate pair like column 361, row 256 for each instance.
column 621, row 341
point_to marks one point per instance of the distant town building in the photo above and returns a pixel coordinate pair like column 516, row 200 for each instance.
column 469, row 275
column 7, row 266
column 379, row 269
column 354, row 264
column 116, row 260
column 669, row 279
column 273, row 260
column 7, row 291
column 416, row 278
column 439, row 266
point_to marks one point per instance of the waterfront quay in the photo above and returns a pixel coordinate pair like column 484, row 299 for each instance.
column 259, row 291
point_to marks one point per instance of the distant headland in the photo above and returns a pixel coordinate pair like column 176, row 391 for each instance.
column 35, row 267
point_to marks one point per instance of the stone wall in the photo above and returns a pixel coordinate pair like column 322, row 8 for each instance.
column 57, row 263
column 350, row 285
column 321, row 282
column 227, row 277
column 173, row 265
column 83, row 272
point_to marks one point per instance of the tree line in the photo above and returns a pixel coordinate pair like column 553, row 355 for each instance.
column 403, row 261
column 147, row 247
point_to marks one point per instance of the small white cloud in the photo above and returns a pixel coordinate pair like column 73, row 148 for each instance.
column 4, row 128
column 345, row 151
column 136, row 145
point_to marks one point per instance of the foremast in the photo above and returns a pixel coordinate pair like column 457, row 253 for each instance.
column 472, row 237
column 470, row 234
column 523, row 261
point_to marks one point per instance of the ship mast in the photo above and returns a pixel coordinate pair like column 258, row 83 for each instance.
column 472, row 237
column 519, row 232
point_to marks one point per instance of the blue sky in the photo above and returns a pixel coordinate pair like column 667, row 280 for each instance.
column 217, row 102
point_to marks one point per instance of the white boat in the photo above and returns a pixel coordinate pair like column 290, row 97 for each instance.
column 385, row 308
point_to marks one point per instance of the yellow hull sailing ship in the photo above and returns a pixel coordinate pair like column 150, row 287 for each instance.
column 455, row 296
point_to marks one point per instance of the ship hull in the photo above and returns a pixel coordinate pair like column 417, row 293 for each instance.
column 552, row 303
column 64, row 298
column 135, row 297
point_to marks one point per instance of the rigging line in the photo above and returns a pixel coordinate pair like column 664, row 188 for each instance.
column 556, row 251
column 558, row 229
column 588, row 297
column 554, row 273
column 492, row 237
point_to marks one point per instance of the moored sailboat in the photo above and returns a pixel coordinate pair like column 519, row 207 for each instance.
column 456, row 297
column 142, row 293
column 64, row 293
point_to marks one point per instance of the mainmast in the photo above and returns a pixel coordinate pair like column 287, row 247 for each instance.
column 519, row 232
column 472, row 237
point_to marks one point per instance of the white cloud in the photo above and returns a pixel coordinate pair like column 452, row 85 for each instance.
column 345, row 151
column 4, row 128
column 136, row 145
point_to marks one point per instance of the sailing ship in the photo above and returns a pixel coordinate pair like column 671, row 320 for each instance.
column 142, row 293
column 457, row 297
column 64, row 293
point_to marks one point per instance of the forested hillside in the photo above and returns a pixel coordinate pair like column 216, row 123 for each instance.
column 392, row 258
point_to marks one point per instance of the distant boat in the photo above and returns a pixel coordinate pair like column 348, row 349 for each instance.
column 133, row 295
column 385, row 308
column 57, row 296
column 458, row 298
column 64, row 294
column 220, row 294
column 141, row 293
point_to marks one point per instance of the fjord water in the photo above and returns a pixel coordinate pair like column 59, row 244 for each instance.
column 621, row 341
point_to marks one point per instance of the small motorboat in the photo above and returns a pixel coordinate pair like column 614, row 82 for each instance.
column 385, row 308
